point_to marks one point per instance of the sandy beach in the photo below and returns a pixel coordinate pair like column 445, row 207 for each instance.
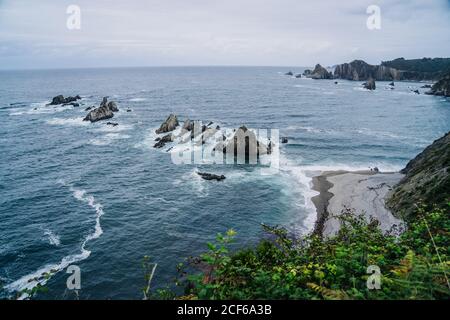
column 362, row 191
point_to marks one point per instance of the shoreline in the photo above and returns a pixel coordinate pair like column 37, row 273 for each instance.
column 364, row 191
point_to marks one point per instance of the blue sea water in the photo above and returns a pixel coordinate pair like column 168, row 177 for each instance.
column 102, row 198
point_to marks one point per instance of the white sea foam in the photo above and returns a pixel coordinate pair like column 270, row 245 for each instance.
column 53, row 239
column 138, row 99
column 67, row 122
column 108, row 139
column 43, row 274
column 39, row 108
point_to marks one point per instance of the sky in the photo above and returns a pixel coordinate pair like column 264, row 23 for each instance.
column 34, row 34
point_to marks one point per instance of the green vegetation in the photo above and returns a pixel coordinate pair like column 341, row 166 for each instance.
column 431, row 68
column 414, row 264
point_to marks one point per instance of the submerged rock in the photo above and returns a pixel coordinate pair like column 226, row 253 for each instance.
column 211, row 176
column 114, row 124
column 289, row 73
column 169, row 125
column 392, row 84
column 416, row 91
column 284, row 140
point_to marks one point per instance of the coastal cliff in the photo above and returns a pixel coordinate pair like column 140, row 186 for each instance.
column 398, row 69
column 442, row 87
column 359, row 70
column 426, row 181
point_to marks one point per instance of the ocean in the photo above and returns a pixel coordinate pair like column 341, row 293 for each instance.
column 102, row 198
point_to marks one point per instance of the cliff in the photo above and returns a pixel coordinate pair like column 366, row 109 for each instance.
column 359, row 70
column 427, row 180
column 442, row 87
column 420, row 69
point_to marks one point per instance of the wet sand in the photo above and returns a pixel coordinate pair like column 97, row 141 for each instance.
column 362, row 191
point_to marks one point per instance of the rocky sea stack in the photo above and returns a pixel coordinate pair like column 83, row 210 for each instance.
column 320, row 72
column 105, row 111
column 427, row 180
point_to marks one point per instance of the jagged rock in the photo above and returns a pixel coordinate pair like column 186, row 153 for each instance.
column 370, row 84
column 416, row 91
column 320, row 72
column 426, row 86
column 392, row 84
column 89, row 108
column 307, row 72
column 61, row 100
column 210, row 176
column 114, row 124
column 169, row 125
column 289, row 73
column 284, row 140
column 442, row 87
column 105, row 111
column 244, row 143
column 162, row 141
column 298, row 75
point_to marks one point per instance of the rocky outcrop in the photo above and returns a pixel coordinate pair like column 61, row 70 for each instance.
column 284, row 140
column 61, row 100
column 307, row 72
column 426, row 181
column 370, row 84
column 105, row 111
column 359, row 70
column 161, row 142
column 320, row 72
column 244, row 144
column 442, row 87
column 169, row 125
column 289, row 73
column 211, row 176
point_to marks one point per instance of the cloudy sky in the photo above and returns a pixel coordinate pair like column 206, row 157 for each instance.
column 33, row 34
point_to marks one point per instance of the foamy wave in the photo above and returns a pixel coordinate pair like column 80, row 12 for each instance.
column 53, row 239
column 108, row 139
column 42, row 275
column 67, row 122
column 39, row 108
column 138, row 99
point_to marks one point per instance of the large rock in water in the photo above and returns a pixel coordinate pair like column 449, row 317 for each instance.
column 320, row 72
column 169, row 125
column 427, row 180
column 211, row 176
column 245, row 145
column 105, row 111
column 370, row 84
column 441, row 88
column 61, row 100
column 359, row 70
